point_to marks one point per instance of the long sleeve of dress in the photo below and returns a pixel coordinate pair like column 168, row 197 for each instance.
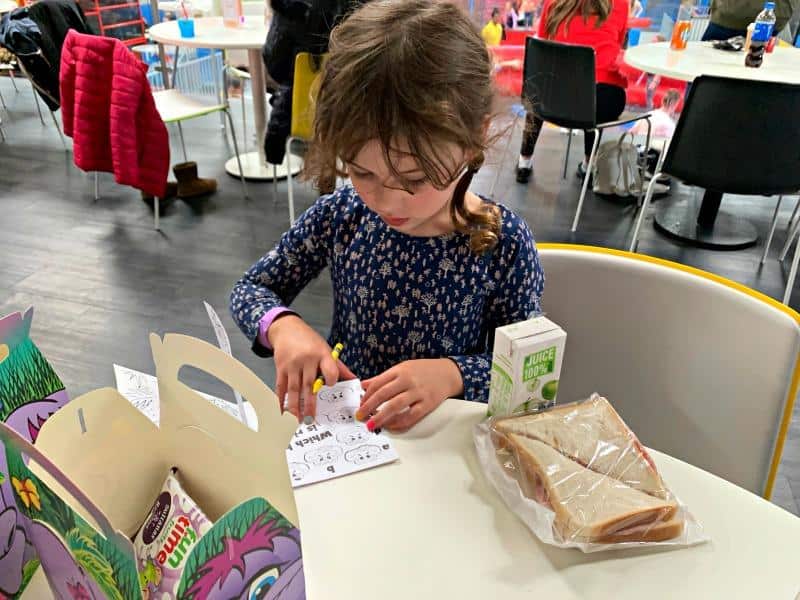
column 279, row 276
column 517, row 297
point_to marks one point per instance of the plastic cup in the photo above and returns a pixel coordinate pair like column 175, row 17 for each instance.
column 186, row 27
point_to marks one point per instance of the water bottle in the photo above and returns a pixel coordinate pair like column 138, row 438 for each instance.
column 762, row 32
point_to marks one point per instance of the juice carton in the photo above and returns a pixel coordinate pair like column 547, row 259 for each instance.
column 526, row 366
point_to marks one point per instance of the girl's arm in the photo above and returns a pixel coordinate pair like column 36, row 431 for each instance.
column 516, row 298
column 279, row 276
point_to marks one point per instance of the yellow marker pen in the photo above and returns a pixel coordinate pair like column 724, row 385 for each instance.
column 320, row 381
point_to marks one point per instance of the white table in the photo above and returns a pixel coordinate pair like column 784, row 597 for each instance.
column 211, row 33
column 7, row 6
column 709, row 228
column 431, row 527
column 700, row 58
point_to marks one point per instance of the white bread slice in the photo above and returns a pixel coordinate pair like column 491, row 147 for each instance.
column 593, row 434
column 653, row 532
column 588, row 507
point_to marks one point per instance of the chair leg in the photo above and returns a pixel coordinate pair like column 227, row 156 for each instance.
column 14, row 81
column 787, row 294
column 289, row 180
column 794, row 214
column 503, row 158
column 3, row 102
column 183, row 142
column 586, row 179
column 36, row 100
column 274, row 185
column 771, row 230
column 58, row 129
column 789, row 239
column 236, row 150
column 566, row 156
column 244, row 118
column 643, row 211
column 2, row 133
column 96, row 186
column 157, row 213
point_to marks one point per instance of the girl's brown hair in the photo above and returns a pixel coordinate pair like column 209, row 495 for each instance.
column 413, row 74
column 563, row 10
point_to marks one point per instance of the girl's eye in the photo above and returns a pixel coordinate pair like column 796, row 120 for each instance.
column 359, row 174
column 417, row 185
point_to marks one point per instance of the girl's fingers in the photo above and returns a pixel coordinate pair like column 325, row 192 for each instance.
column 379, row 396
column 329, row 370
column 281, row 391
column 293, row 390
column 406, row 420
column 374, row 384
column 309, row 398
column 390, row 409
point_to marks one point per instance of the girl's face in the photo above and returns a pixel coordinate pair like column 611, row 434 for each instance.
column 419, row 210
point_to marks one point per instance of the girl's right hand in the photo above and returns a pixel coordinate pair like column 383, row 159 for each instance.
column 300, row 355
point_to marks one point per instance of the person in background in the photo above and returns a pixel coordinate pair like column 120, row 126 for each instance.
column 423, row 271
column 663, row 119
column 601, row 24
column 730, row 18
column 512, row 14
column 492, row 32
column 296, row 26
column 527, row 13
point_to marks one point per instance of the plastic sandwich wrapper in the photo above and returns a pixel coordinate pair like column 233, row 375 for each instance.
column 578, row 477
column 86, row 487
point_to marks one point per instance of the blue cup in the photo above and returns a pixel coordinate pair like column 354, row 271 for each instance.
column 187, row 27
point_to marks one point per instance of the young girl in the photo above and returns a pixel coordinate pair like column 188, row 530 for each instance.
column 422, row 270
column 600, row 24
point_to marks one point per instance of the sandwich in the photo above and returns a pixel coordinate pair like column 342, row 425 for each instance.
column 592, row 434
column 589, row 506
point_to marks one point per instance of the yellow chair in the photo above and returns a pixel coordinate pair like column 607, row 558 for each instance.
column 307, row 67
column 700, row 367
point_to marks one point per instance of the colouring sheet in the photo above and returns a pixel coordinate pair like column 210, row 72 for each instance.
column 141, row 390
column 336, row 444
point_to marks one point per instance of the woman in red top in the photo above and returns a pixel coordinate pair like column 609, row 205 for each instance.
column 601, row 24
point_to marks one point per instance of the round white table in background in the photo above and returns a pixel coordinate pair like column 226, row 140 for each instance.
column 700, row 58
column 7, row 6
column 708, row 228
column 430, row 526
column 210, row 33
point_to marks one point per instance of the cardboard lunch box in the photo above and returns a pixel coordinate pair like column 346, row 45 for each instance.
column 99, row 464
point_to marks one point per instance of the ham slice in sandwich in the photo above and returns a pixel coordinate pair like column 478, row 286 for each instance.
column 592, row 434
column 588, row 506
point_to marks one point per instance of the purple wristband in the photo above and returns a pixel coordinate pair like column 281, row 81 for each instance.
column 266, row 321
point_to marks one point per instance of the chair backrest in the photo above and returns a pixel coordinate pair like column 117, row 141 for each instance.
column 699, row 367
column 559, row 82
column 739, row 137
column 307, row 67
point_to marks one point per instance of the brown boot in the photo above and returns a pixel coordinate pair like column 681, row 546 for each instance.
column 189, row 184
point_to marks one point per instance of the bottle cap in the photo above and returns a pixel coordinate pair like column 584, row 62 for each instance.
column 769, row 5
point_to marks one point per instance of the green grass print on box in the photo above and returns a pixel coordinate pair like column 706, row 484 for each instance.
column 25, row 375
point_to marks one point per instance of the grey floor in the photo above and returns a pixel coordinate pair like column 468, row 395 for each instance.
column 101, row 278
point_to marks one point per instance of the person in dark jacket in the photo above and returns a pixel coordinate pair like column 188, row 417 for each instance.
column 297, row 26
column 35, row 34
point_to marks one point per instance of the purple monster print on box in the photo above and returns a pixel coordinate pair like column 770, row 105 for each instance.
column 252, row 553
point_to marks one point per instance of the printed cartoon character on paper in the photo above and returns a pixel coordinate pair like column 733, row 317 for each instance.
column 342, row 416
column 298, row 470
column 363, row 454
column 251, row 553
column 331, row 396
column 352, row 436
column 323, row 456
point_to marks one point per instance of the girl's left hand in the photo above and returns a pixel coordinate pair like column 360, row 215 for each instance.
column 408, row 392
